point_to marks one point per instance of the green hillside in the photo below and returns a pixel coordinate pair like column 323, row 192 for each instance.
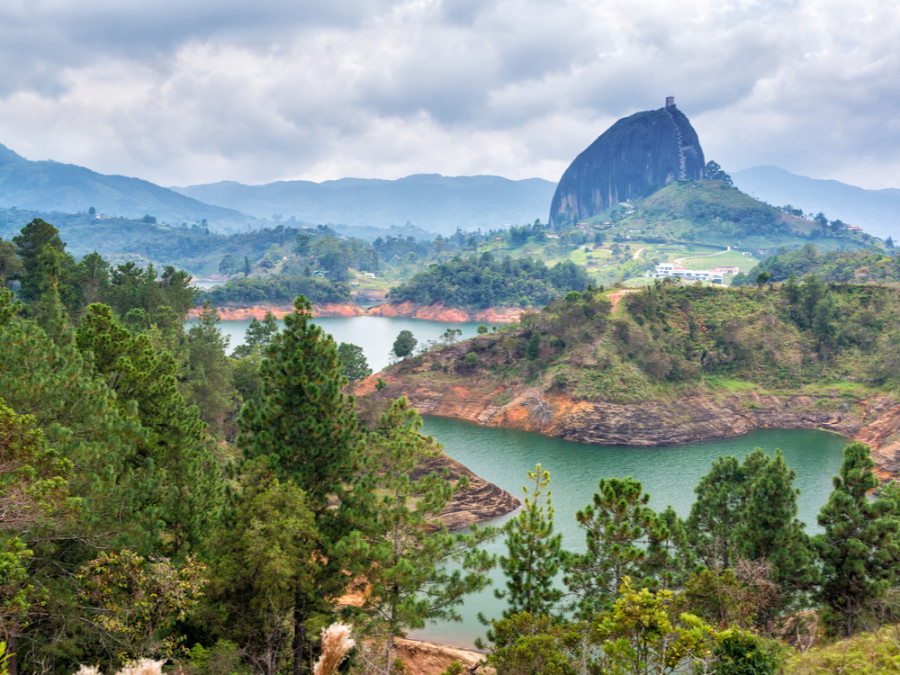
column 713, row 212
column 870, row 265
column 670, row 336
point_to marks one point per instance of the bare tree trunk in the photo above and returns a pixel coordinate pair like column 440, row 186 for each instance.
column 389, row 655
column 299, row 643
column 12, row 648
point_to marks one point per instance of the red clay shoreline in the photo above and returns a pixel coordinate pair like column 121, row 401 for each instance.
column 404, row 310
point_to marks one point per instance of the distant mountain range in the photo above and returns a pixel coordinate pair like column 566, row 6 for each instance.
column 428, row 202
column 876, row 211
column 438, row 204
column 50, row 186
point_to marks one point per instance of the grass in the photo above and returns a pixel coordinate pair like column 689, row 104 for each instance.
column 863, row 654
column 723, row 259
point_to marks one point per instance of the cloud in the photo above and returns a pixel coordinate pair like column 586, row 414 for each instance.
column 189, row 92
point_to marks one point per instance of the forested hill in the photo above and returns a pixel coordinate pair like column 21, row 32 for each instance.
column 861, row 266
column 669, row 336
column 192, row 247
column 481, row 282
column 713, row 212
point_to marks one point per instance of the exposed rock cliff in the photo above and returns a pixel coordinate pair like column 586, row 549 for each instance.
column 479, row 502
column 428, row 658
column 635, row 156
column 406, row 310
column 440, row 312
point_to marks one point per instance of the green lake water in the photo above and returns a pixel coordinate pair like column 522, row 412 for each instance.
column 668, row 474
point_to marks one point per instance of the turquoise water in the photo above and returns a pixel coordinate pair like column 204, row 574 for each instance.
column 669, row 475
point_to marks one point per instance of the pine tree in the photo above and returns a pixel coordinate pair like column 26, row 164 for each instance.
column 748, row 511
column 716, row 513
column 207, row 372
column 770, row 530
column 860, row 548
column 406, row 548
column 265, row 556
column 534, row 552
column 306, row 429
column 174, row 451
column 259, row 335
column 354, row 362
column 616, row 525
column 35, row 245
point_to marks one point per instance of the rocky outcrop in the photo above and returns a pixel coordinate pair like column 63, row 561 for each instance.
column 440, row 312
column 634, row 157
column 479, row 502
column 428, row 658
column 682, row 419
column 235, row 313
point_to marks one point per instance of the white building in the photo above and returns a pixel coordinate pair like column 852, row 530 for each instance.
column 715, row 276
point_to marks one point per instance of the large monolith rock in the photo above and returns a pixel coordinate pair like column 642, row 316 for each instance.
column 634, row 157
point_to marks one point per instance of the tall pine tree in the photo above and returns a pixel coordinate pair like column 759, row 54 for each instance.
column 406, row 547
column 617, row 524
column 860, row 548
column 306, row 429
column 534, row 552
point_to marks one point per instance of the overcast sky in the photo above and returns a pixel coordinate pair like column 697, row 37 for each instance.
column 193, row 91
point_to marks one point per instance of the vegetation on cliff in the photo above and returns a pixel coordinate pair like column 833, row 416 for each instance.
column 276, row 290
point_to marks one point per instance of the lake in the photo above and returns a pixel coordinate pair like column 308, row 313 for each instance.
column 504, row 457
column 668, row 475
column 375, row 334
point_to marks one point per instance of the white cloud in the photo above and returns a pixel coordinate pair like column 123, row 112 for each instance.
column 187, row 92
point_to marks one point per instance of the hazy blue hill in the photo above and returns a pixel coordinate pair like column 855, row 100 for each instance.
column 51, row 186
column 435, row 203
column 876, row 211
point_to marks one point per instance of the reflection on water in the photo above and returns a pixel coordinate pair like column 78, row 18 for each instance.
column 375, row 334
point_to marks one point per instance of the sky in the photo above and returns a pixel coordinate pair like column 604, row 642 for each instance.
column 183, row 92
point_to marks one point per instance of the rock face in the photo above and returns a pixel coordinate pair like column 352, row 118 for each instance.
column 428, row 658
column 440, row 312
column 634, row 157
column 479, row 502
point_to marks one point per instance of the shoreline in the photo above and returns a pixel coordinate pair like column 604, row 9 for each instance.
column 694, row 417
column 403, row 310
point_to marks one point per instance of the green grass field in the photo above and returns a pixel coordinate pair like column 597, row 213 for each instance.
column 726, row 259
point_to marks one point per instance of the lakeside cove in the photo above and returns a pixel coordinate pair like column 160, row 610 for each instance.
column 689, row 418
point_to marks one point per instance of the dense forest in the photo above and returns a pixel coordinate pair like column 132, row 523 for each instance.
column 159, row 499
column 480, row 282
